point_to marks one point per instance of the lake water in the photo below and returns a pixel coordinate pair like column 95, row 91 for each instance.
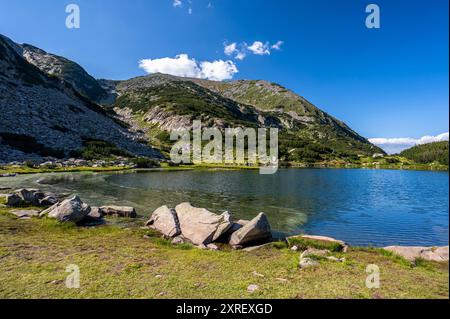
column 360, row 206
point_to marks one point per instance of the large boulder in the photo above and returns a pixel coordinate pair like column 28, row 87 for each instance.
column 427, row 253
column 13, row 200
column 69, row 210
column 256, row 231
column 118, row 211
column 201, row 226
column 30, row 196
column 165, row 220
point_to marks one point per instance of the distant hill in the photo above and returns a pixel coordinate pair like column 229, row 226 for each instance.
column 428, row 153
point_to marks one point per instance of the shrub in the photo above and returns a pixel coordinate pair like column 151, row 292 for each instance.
column 143, row 162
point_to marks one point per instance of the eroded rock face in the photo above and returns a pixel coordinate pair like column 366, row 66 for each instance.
column 201, row 226
column 118, row 211
column 69, row 210
column 257, row 230
column 427, row 253
column 165, row 220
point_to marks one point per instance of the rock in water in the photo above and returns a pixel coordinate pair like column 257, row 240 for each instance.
column 201, row 226
column 165, row 220
column 70, row 210
column 118, row 211
column 256, row 231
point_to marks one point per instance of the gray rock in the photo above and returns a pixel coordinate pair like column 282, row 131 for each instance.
column 314, row 252
column 94, row 216
column 257, row 230
column 201, row 226
column 30, row 196
column 308, row 263
column 178, row 240
column 13, row 200
column 118, row 211
column 69, row 210
column 212, row 247
column 252, row 288
column 48, row 200
column 165, row 220
column 25, row 213
column 428, row 253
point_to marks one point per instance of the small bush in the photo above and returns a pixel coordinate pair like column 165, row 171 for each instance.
column 143, row 162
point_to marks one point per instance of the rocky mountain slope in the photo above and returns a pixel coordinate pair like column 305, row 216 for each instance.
column 66, row 70
column 42, row 115
column 164, row 102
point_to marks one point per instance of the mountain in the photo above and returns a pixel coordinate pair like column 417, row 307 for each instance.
column 56, row 94
column 428, row 153
column 42, row 115
column 67, row 71
column 160, row 102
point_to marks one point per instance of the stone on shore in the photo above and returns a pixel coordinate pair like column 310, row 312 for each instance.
column 201, row 226
column 69, row 210
column 25, row 214
column 12, row 199
column 256, row 231
column 308, row 263
column 314, row 252
column 427, row 253
column 118, row 211
column 165, row 220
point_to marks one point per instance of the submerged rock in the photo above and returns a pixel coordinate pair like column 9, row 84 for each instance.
column 201, row 226
column 118, row 211
column 165, row 220
column 256, row 231
column 69, row 210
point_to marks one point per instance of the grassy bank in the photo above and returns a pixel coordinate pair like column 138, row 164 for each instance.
column 35, row 170
column 118, row 262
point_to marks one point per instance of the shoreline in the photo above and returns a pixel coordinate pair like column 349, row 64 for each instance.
column 6, row 171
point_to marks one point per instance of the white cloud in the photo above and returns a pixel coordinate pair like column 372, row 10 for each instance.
column 230, row 48
column 177, row 3
column 398, row 144
column 190, row 10
column 259, row 48
column 243, row 49
column 183, row 66
column 277, row 46
column 218, row 70
column 241, row 55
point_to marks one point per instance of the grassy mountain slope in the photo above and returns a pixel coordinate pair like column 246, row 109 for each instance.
column 428, row 153
column 166, row 102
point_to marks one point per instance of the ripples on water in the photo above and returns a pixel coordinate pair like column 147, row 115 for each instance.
column 363, row 207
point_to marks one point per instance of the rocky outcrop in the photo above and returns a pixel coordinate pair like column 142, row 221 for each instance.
column 165, row 220
column 256, row 231
column 427, row 253
column 201, row 226
column 33, row 197
column 118, row 211
column 69, row 210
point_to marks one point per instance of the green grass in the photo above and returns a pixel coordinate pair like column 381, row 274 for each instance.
column 118, row 262
column 305, row 243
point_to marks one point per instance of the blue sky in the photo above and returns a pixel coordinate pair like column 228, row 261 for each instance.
column 390, row 82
